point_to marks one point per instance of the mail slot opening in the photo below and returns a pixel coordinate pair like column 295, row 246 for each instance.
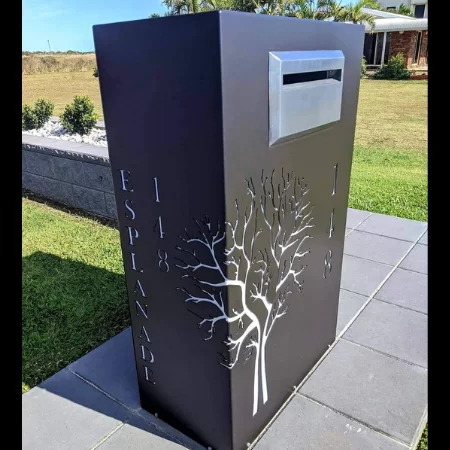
column 304, row 77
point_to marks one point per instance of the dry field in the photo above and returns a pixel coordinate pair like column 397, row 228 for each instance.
column 57, row 62
column 60, row 88
column 393, row 115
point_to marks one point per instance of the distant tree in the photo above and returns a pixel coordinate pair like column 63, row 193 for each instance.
column 154, row 16
column 332, row 9
column 405, row 10
column 302, row 9
column 215, row 5
column 402, row 9
column 353, row 12
column 178, row 7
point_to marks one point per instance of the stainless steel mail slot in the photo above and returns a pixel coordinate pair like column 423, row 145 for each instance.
column 305, row 92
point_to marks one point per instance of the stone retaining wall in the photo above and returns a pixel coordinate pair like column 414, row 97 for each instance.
column 76, row 175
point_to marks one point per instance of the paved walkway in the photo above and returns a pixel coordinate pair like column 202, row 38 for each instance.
column 369, row 392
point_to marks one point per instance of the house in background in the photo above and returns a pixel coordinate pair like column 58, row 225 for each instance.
column 419, row 8
column 395, row 33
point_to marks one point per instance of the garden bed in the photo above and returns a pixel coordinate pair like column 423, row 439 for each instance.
column 54, row 130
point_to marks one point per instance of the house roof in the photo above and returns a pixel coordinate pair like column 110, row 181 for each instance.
column 386, row 21
column 385, row 14
column 398, row 25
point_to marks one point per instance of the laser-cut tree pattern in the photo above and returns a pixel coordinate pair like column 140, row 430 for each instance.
column 263, row 259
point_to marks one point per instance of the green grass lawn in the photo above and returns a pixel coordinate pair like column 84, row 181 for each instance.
column 74, row 295
column 389, row 171
column 423, row 444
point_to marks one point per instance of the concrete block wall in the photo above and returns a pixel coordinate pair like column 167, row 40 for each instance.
column 76, row 175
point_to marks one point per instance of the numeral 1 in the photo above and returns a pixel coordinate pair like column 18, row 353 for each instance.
column 328, row 267
column 335, row 180
column 331, row 231
column 155, row 180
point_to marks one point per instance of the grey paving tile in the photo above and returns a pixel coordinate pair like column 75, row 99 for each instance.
column 111, row 367
column 386, row 394
column 355, row 217
column 348, row 231
column 305, row 425
column 424, row 239
column 376, row 248
column 138, row 434
column 396, row 227
column 393, row 330
column 66, row 413
column 407, row 289
column 362, row 276
column 349, row 304
column 417, row 259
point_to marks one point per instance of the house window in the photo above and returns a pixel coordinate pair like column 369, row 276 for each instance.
column 417, row 47
column 379, row 48
column 369, row 47
column 373, row 48
column 419, row 11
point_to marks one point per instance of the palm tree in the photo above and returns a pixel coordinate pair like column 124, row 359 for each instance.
column 271, row 7
column 354, row 13
column 178, row 7
column 404, row 10
column 306, row 9
column 243, row 5
column 215, row 5
column 331, row 9
column 302, row 9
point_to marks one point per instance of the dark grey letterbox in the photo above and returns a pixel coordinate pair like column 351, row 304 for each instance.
column 230, row 138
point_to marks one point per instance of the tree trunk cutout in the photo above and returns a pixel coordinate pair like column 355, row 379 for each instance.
column 264, row 270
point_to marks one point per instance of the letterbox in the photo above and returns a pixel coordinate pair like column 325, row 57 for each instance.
column 305, row 91
column 230, row 138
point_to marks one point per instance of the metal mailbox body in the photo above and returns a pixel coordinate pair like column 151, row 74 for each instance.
column 232, row 239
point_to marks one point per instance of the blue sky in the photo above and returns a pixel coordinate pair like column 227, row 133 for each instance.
column 67, row 24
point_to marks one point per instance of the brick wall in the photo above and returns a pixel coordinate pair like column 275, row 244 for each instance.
column 73, row 174
column 405, row 43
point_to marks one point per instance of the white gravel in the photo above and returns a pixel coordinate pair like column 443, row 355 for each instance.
column 55, row 130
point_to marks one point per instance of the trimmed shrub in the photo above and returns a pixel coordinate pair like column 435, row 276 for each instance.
column 79, row 117
column 363, row 67
column 34, row 118
column 28, row 118
column 43, row 109
column 395, row 69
